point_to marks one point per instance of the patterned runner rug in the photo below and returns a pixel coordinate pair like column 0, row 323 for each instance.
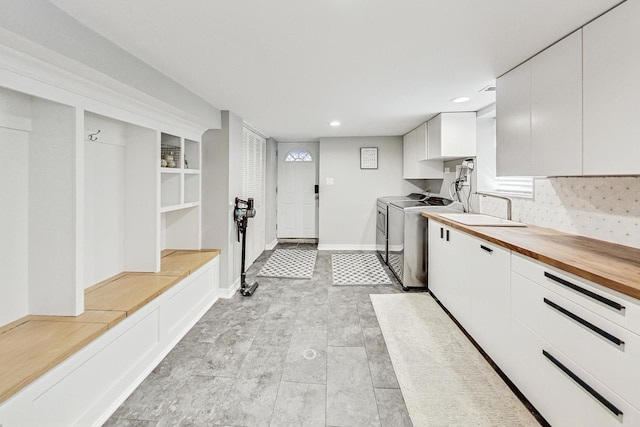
column 444, row 380
column 291, row 263
column 358, row 269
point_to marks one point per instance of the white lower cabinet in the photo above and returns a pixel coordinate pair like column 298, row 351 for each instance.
column 448, row 249
column 470, row 277
column 563, row 392
column 489, row 272
column 571, row 346
column 592, row 327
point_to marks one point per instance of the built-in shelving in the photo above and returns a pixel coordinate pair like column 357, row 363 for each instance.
column 89, row 198
column 180, row 185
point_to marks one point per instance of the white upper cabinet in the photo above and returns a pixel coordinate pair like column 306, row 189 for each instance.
column 612, row 92
column 539, row 113
column 414, row 150
column 421, row 143
column 513, row 122
column 452, row 136
column 556, row 109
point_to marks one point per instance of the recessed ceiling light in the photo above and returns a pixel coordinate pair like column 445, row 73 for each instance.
column 460, row 99
column 334, row 123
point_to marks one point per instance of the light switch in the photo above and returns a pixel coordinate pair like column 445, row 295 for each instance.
column 329, row 181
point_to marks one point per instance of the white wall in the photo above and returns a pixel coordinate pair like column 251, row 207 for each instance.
column 348, row 208
column 104, row 211
column 271, row 197
column 14, row 223
column 221, row 184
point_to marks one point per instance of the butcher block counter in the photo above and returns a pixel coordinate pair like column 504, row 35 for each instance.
column 611, row 265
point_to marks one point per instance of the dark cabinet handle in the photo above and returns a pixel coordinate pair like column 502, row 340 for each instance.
column 441, row 232
column 486, row 249
column 585, row 292
column 610, row 406
column 447, row 235
column 585, row 323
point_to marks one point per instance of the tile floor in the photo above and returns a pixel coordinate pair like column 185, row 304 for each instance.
column 297, row 353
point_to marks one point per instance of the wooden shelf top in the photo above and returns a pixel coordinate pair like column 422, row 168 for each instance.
column 608, row 264
column 32, row 348
column 32, row 345
column 128, row 293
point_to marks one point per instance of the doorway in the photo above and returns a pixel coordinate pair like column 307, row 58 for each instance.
column 297, row 190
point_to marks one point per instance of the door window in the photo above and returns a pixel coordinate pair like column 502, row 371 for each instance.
column 298, row 155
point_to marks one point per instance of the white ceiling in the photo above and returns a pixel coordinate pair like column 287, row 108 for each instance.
column 289, row 67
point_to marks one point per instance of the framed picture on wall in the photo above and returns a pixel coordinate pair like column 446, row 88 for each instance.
column 368, row 157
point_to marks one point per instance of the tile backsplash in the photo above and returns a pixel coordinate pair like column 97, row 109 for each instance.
column 604, row 208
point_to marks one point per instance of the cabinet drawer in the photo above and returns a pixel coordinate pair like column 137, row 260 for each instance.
column 607, row 351
column 621, row 309
column 560, row 390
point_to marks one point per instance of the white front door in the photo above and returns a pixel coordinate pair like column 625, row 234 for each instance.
column 297, row 198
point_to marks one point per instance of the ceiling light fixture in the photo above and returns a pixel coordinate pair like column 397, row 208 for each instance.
column 460, row 99
column 334, row 123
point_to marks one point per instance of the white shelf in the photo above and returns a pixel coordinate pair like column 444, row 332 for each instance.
column 192, row 171
column 178, row 207
column 170, row 170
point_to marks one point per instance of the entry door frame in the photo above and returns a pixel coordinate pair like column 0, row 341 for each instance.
column 285, row 230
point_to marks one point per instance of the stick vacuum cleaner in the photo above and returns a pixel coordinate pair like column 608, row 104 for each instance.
column 241, row 213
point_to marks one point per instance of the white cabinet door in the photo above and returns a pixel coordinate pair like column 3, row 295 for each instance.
column 437, row 264
column 612, row 92
column 414, row 153
column 452, row 136
column 490, row 267
column 447, row 249
column 513, row 122
column 421, row 145
column 556, row 108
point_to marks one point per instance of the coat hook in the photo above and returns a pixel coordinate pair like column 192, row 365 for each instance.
column 93, row 137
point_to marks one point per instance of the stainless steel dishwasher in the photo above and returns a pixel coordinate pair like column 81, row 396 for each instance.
column 408, row 242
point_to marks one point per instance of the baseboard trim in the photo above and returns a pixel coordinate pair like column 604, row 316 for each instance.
column 326, row 247
column 271, row 245
column 227, row 293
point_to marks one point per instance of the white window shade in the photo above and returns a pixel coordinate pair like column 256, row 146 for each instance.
column 516, row 185
column 488, row 182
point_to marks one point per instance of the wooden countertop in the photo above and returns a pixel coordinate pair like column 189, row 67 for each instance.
column 615, row 266
column 32, row 345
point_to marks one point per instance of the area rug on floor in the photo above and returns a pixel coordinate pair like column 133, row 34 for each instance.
column 358, row 269
column 290, row 263
column 443, row 378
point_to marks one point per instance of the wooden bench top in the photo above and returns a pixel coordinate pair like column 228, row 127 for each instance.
column 32, row 345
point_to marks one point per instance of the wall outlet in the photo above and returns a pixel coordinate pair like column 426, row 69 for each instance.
column 329, row 181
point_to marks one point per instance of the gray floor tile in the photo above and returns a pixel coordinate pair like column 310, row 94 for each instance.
column 264, row 360
column 350, row 397
column 344, row 325
column 250, row 402
column 382, row 373
column 197, row 399
column 226, row 355
column 307, row 356
column 391, row 408
column 275, row 332
column 299, row 405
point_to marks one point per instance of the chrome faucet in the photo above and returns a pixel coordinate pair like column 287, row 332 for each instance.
column 499, row 197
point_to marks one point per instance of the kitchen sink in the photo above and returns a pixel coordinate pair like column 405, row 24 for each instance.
column 479, row 219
